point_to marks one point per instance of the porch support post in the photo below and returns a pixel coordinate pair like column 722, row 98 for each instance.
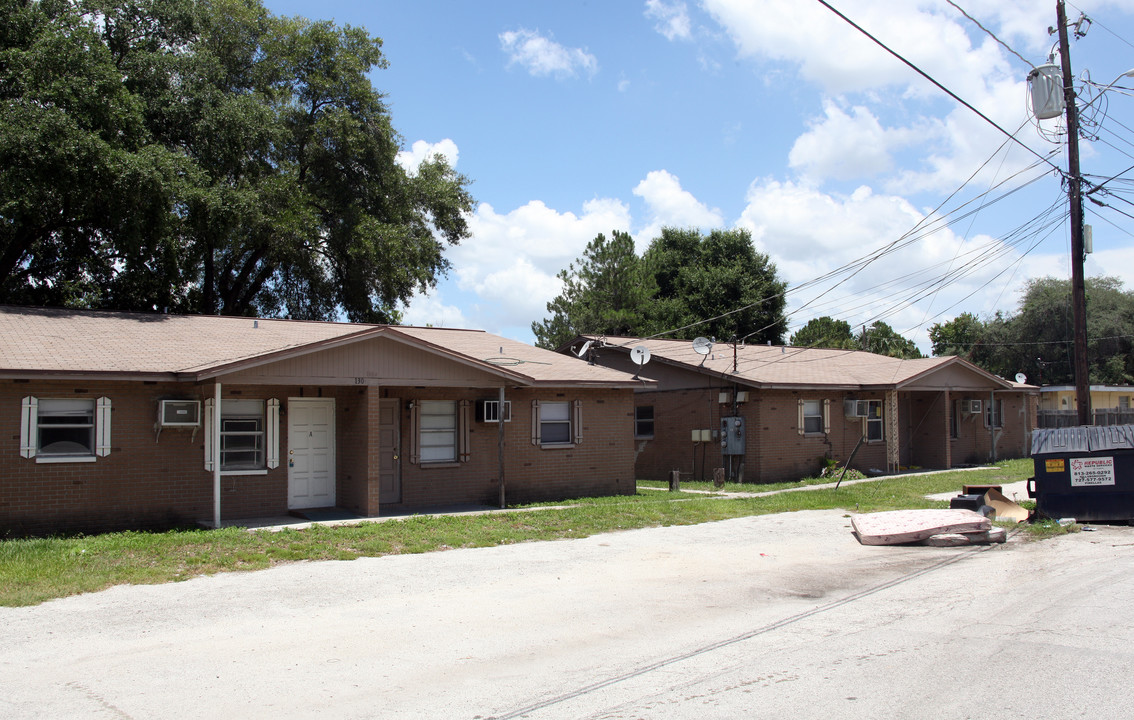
column 893, row 442
column 991, row 415
column 216, row 430
column 950, row 421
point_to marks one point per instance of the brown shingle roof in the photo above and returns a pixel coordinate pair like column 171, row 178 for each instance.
column 784, row 366
column 50, row 341
column 536, row 365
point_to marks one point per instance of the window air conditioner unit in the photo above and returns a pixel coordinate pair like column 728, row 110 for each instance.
column 856, row 408
column 974, row 407
column 180, row 413
column 488, row 411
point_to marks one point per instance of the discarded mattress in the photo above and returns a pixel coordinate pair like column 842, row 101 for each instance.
column 908, row 526
column 988, row 537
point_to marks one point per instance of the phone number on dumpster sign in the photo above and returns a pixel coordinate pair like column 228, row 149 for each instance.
column 1091, row 472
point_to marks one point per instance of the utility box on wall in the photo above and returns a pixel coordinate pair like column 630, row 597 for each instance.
column 732, row 435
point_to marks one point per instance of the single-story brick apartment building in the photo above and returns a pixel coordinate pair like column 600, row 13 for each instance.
column 128, row 420
column 777, row 413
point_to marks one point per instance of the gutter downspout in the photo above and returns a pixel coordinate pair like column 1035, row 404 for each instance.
column 216, row 430
column 500, row 444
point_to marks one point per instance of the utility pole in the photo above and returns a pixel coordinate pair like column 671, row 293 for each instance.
column 1075, row 197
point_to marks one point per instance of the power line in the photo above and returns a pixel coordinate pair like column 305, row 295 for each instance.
column 908, row 237
column 1120, row 212
column 1099, row 186
column 857, row 266
column 893, row 247
column 990, row 34
column 930, row 78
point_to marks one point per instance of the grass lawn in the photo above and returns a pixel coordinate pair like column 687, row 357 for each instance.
column 35, row 570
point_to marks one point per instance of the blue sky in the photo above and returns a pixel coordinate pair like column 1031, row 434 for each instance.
column 575, row 118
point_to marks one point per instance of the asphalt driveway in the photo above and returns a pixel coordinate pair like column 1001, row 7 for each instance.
column 760, row 616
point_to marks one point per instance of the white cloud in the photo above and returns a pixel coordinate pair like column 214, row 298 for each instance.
column 1116, row 262
column 842, row 146
column 520, row 287
column 809, row 234
column 429, row 309
column 511, row 260
column 672, row 19
column 670, row 205
column 543, row 56
column 893, row 109
column 421, row 151
column 835, row 56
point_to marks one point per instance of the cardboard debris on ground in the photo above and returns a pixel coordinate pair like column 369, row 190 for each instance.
column 896, row 527
column 1005, row 508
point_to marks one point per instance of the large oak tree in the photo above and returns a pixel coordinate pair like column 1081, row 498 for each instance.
column 208, row 156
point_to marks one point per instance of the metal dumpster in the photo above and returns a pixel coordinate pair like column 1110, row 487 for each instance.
column 1085, row 472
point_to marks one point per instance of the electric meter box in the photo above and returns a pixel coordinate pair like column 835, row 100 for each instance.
column 732, row 435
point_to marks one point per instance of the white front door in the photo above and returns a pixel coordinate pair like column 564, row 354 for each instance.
column 310, row 452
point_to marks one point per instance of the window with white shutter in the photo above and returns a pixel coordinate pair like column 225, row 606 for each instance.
column 65, row 429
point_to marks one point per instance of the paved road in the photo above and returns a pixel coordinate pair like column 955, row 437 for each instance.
column 775, row 616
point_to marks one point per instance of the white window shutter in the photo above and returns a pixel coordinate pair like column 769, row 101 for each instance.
column 827, row 416
column 207, row 426
column 272, row 441
column 535, row 422
column 29, row 426
column 463, row 424
column 577, row 422
column 800, row 421
column 415, row 432
column 102, row 426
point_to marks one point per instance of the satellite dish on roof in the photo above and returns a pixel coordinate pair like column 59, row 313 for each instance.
column 1021, row 378
column 640, row 355
column 584, row 348
column 702, row 345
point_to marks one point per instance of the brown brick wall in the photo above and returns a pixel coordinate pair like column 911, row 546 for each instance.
column 974, row 444
column 146, row 481
column 776, row 452
column 784, row 455
column 676, row 413
column 924, row 429
column 352, row 420
column 601, row 465
column 153, row 481
column 149, row 480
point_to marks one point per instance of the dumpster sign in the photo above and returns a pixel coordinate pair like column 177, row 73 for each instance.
column 1091, row 471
